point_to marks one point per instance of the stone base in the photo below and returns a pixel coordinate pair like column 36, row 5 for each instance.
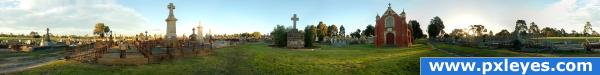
column 295, row 44
column 46, row 43
column 295, row 39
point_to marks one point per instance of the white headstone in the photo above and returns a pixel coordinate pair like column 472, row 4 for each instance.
column 199, row 34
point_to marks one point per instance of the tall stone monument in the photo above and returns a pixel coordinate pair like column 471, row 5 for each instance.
column 171, row 23
column 199, row 34
column 295, row 39
column 46, row 41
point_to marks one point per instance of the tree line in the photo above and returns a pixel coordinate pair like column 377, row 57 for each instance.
column 322, row 31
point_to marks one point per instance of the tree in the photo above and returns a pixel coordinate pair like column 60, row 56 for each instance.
column 322, row 31
column 342, row 31
column 332, row 30
column 549, row 32
column 279, row 36
column 491, row 33
column 594, row 33
column 256, row 35
column 314, row 31
column 101, row 30
column 533, row 29
column 587, row 29
column 563, row 32
column 519, row 34
column 141, row 35
column 574, row 33
column 369, row 31
column 416, row 29
column 309, row 37
column 34, row 34
column 106, row 29
column 520, row 29
column 355, row 34
column 245, row 35
column 436, row 26
column 478, row 29
column 503, row 33
column 329, row 31
column 458, row 33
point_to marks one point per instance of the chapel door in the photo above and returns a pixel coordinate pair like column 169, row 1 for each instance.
column 389, row 39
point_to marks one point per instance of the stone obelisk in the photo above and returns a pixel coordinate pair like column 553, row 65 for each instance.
column 200, row 34
column 46, row 41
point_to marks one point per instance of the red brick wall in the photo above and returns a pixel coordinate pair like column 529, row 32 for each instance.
column 403, row 33
column 379, row 29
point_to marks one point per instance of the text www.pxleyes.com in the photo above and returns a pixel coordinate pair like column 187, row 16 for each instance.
column 507, row 66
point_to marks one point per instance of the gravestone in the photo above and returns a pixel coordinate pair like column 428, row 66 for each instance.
column 370, row 40
column 295, row 39
column 339, row 42
column 171, row 36
column 193, row 37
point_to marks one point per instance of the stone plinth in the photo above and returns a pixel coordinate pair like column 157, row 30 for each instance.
column 295, row 39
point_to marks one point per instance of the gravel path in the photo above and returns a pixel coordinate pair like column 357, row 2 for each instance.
column 27, row 65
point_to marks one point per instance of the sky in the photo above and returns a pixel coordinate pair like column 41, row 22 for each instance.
column 77, row 17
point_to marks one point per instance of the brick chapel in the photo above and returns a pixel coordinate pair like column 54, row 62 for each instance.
column 392, row 30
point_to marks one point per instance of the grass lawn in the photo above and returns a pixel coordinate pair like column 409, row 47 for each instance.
column 475, row 52
column 258, row 59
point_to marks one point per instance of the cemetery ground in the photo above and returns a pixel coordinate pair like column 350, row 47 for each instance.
column 258, row 58
column 11, row 61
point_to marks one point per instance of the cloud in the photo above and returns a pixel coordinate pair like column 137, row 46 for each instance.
column 68, row 16
column 572, row 14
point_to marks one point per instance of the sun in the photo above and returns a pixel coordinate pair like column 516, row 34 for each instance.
column 464, row 20
column 468, row 19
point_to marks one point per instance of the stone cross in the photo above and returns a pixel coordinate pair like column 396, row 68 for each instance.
column 295, row 18
column 171, row 6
